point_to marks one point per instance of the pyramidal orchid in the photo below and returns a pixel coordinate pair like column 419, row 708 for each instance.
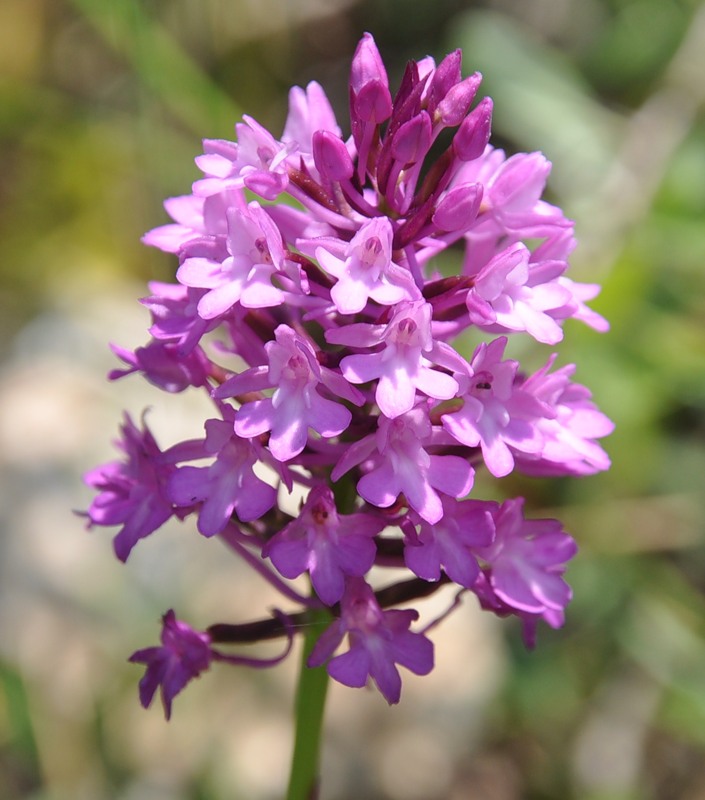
column 309, row 310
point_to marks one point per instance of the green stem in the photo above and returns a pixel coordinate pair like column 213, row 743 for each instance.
column 309, row 708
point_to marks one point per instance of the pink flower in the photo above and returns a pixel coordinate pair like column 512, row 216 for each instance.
column 450, row 543
column 402, row 465
column 184, row 654
column 330, row 546
column 512, row 294
column 405, row 362
column 527, row 559
column 491, row 602
column 379, row 640
column 296, row 403
column 194, row 217
column 365, row 270
column 175, row 319
column 496, row 415
column 228, row 486
column 255, row 254
column 133, row 492
column 257, row 161
column 310, row 112
column 569, row 433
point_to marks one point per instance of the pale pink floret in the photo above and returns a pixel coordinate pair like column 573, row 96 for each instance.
column 405, row 364
column 255, row 254
column 402, row 466
column 187, row 213
column 365, row 270
column 194, row 217
column 296, row 403
column 527, row 560
column 496, row 414
column 257, row 161
column 569, row 446
column 228, row 486
column 310, row 111
column 579, row 294
column 511, row 293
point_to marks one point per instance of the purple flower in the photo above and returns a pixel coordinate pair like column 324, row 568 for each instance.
column 228, row 486
column 297, row 403
column 255, row 253
column 175, row 319
column 319, row 325
column 402, row 465
column 370, row 99
column 491, row 602
column 527, row 560
column 133, row 492
column 164, row 365
column 450, row 542
column 365, row 270
column 496, row 415
column 184, row 654
column 404, row 363
column 329, row 545
column 513, row 294
column 569, row 432
column 257, row 161
column 379, row 640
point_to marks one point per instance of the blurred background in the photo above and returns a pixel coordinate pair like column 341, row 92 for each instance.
column 102, row 108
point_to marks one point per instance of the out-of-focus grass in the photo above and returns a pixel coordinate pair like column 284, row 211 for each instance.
column 102, row 105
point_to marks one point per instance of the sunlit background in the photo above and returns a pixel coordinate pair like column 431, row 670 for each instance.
column 102, row 107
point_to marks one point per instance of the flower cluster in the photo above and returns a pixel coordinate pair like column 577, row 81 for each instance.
column 309, row 261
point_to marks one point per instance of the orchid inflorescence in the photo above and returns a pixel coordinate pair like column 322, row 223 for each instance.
column 311, row 259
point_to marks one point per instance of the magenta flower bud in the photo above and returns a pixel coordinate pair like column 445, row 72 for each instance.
column 331, row 156
column 367, row 65
column 372, row 104
column 457, row 101
column 445, row 76
column 459, row 207
column 413, row 139
column 474, row 132
column 370, row 100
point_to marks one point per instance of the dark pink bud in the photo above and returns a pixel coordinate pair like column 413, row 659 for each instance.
column 373, row 103
column 370, row 100
column 367, row 65
column 446, row 75
column 459, row 207
column 473, row 134
column 331, row 156
column 413, row 139
column 454, row 106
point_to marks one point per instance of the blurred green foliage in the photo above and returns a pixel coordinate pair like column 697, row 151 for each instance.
column 102, row 105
